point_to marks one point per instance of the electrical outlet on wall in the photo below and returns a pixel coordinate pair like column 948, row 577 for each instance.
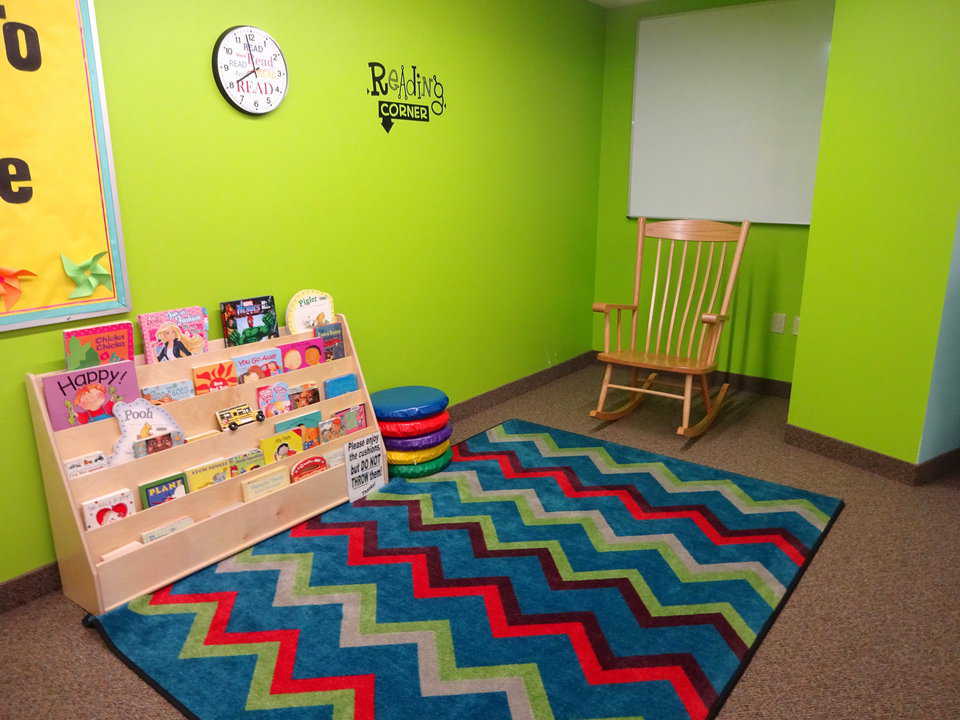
column 778, row 323
column 796, row 324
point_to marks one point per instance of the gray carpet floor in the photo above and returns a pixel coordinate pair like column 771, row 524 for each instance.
column 872, row 631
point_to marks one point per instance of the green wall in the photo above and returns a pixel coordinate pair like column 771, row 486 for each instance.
column 773, row 263
column 884, row 217
column 508, row 214
column 461, row 251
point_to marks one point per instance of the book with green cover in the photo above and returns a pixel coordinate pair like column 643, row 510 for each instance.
column 155, row 492
column 246, row 461
column 249, row 320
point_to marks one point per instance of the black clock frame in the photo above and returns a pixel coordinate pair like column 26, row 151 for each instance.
column 216, row 75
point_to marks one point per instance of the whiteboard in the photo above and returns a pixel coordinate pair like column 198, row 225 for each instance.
column 726, row 112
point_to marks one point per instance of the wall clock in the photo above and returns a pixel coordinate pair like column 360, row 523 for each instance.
column 250, row 70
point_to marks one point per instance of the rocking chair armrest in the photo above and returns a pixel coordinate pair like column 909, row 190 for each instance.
column 607, row 307
column 713, row 318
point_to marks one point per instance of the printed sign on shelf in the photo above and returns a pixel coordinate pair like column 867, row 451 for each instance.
column 364, row 466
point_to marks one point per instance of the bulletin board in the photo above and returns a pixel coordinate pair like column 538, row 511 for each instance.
column 61, row 245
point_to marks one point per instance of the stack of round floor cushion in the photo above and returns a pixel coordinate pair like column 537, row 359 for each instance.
column 416, row 429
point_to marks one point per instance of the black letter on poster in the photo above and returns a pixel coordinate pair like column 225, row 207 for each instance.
column 31, row 41
column 377, row 73
column 14, row 170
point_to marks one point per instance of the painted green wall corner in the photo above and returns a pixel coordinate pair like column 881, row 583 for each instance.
column 461, row 250
column 773, row 265
column 884, row 216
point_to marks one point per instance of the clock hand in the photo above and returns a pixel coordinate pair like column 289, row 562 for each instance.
column 247, row 75
column 250, row 55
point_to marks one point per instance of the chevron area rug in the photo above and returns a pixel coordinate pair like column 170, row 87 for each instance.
column 542, row 575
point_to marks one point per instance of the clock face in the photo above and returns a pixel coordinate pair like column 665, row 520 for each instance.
column 250, row 70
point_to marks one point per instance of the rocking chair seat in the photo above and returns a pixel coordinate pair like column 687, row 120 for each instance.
column 658, row 361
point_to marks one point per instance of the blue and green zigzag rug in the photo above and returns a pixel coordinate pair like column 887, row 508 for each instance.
column 542, row 575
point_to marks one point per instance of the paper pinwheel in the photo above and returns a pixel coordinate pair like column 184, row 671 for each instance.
column 10, row 285
column 87, row 275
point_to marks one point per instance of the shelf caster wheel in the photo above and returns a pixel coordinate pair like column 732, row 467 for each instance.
column 260, row 416
column 89, row 621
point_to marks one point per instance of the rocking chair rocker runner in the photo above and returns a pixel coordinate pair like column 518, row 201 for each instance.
column 693, row 260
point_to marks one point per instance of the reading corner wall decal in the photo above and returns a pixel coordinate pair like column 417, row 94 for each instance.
column 406, row 95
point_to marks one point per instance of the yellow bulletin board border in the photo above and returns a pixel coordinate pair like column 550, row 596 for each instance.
column 120, row 302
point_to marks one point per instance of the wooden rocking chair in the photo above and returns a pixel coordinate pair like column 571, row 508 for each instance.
column 683, row 326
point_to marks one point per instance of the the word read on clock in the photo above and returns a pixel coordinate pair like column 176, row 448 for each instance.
column 250, row 70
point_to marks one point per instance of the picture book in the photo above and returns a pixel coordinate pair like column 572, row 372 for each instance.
column 283, row 444
column 332, row 335
column 274, row 399
column 75, row 467
column 246, row 461
column 302, row 353
column 154, row 492
column 166, row 529
column 157, row 443
column 207, row 473
column 353, row 418
column 214, row 376
column 307, row 309
column 98, row 344
column 139, row 420
column 172, row 334
column 258, row 365
column 78, row 397
column 264, row 485
column 249, row 320
column 302, row 395
column 167, row 392
column 306, row 426
column 332, row 387
column 330, row 429
column 103, row 510
column 307, row 467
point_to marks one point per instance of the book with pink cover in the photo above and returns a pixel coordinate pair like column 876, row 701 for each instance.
column 301, row 354
column 79, row 397
column 174, row 334
column 94, row 345
column 274, row 399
